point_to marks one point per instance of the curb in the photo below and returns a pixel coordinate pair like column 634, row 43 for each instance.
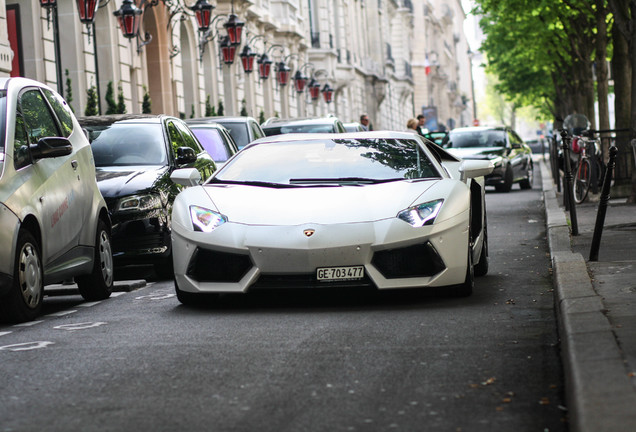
column 598, row 396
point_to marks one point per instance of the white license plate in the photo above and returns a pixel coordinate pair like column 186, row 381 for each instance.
column 340, row 273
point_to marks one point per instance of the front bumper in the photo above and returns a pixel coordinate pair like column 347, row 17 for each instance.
column 238, row 258
column 140, row 241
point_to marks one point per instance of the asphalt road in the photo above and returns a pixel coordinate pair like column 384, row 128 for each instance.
column 297, row 361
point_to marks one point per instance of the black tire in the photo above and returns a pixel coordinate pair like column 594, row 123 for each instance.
column 466, row 289
column 526, row 183
column 581, row 183
column 98, row 285
column 24, row 300
column 481, row 268
column 506, row 186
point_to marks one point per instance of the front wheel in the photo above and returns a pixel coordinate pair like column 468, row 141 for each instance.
column 581, row 184
column 526, row 183
column 506, row 186
column 98, row 285
column 24, row 300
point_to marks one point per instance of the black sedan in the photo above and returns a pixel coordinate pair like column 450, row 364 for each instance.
column 134, row 157
column 507, row 151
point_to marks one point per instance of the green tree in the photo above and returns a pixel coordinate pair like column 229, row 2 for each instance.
column 121, row 102
column 69, row 90
column 220, row 111
column 146, row 104
column 192, row 111
column 91, row 102
column 210, row 111
column 261, row 117
column 243, row 108
column 111, row 105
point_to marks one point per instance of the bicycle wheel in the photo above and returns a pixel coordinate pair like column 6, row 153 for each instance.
column 581, row 181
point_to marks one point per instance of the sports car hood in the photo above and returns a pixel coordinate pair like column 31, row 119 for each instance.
column 321, row 205
column 114, row 182
column 477, row 152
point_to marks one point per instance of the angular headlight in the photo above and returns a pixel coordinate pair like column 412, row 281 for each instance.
column 496, row 160
column 421, row 214
column 139, row 203
column 205, row 220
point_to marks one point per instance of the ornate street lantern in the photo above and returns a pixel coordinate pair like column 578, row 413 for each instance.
column 234, row 28
column 228, row 51
column 203, row 13
column 247, row 59
column 327, row 93
column 86, row 10
column 264, row 66
column 300, row 82
column 314, row 89
column 282, row 73
column 129, row 17
column 48, row 3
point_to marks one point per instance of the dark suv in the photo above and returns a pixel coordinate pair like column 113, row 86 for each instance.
column 303, row 125
column 511, row 157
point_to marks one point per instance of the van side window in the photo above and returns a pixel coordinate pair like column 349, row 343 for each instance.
column 38, row 119
column 21, row 153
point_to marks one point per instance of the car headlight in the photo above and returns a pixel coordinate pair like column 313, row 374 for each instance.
column 496, row 160
column 205, row 220
column 139, row 203
column 421, row 214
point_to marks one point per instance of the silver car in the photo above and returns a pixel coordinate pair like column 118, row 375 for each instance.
column 54, row 224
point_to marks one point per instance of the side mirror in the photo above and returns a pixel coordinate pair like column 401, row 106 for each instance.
column 186, row 155
column 475, row 168
column 50, row 147
column 186, row 177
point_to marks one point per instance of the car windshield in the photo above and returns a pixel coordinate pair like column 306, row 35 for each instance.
column 482, row 138
column 212, row 142
column 337, row 161
column 308, row 128
column 238, row 132
column 123, row 144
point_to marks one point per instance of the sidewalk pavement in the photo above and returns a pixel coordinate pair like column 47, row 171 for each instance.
column 596, row 310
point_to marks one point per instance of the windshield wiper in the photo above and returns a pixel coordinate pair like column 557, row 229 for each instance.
column 249, row 183
column 342, row 180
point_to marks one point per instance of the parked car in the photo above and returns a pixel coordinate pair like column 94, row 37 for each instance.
column 54, row 223
column 216, row 140
column 378, row 209
column 328, row 124
column 135, row 155
column 244, row 130
column 353, row 127
column 510, row 155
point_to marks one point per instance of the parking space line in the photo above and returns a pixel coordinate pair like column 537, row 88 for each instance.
column 62, row 313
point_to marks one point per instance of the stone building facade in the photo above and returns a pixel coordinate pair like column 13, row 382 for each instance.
column 368, row 51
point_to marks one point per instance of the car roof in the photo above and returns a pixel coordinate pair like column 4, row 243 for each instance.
column 479, row 128
column 330, row 136
column 299, row 121
column 105, row 120
column 216, row 119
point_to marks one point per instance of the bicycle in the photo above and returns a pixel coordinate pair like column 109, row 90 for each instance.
column 589, row 168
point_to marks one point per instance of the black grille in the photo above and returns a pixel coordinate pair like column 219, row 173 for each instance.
column 306, row 281
column 413, row 261
column 213, row 266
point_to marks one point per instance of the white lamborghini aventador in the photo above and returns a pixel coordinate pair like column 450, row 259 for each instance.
column 382, row 209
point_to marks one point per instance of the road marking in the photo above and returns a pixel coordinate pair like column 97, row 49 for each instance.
column 79, row 326
column 155, row 297
column 28, row 324
column 62, row 313
column 26, row 346
column 117, row 294
column 89, row 304
column 5, row 333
